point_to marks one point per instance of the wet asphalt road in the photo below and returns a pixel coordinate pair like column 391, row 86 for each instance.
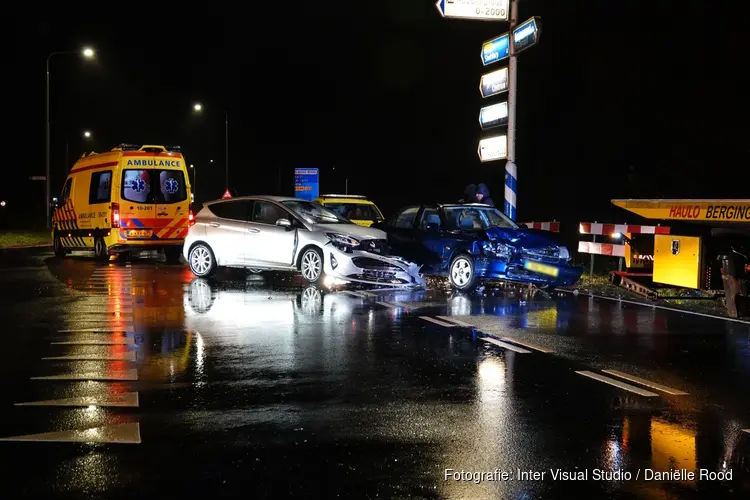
column 260, row 387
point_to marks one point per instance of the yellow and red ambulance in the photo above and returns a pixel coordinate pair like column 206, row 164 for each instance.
column 130, row 199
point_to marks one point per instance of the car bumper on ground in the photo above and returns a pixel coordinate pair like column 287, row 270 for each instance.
column 372, row 269
column 500, row 269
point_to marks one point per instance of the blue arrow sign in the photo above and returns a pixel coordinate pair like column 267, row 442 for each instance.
column 496, row 49
column 527, row 34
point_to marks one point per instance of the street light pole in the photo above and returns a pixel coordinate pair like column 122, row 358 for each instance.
column 226, row 145
column 511, row 169
column 87, row 52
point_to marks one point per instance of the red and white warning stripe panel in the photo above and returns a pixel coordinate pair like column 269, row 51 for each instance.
column 553, row 227
column 609, row 229
column 601, row 248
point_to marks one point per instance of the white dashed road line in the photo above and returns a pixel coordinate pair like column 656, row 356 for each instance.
column 450, row 319
column 618, row 384
column 437, row 322
column 124, row 400
column 644, row 382
column 505, row 346
column 527, row 344
column 114, row 434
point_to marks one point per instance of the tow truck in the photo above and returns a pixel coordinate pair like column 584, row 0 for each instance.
column 711, row 252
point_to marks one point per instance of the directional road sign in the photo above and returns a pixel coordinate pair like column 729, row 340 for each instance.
column 493, row 148
column 493, row 116
column 494, row 83
column 306, row 183
column 527, row 34
column 484, row 10
column 496, row 49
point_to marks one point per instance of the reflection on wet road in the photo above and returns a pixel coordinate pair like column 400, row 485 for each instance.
column 137, row 378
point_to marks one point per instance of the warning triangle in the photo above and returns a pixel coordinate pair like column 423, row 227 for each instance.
column 118, row 434
column 124, row 400
column 226, row 195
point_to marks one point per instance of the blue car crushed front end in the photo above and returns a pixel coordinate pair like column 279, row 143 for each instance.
column 518, row 255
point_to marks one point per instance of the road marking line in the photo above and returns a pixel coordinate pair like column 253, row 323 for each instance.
column 653, row 306
column 505, row 346
column 354, row 294
column 527, row 344
column 124, row 400
column 130, row 341
column 389, row 304
column 125, row 356
column 617, row 383
column 746, row 430
column 98, row 330
column 113, row 434
column 647, row 383
column 437, row 322
column 124, row 375
column 450, row 319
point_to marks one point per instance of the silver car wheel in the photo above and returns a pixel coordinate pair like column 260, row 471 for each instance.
column 312, row 265
column 200, row 260
column 461, row 272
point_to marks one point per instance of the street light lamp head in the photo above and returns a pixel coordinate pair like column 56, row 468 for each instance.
column 87, row 134
column 192, row 166
column 211, row 161
column 197, row 107
column 88, row 52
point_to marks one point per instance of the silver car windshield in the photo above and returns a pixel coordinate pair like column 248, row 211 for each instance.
column 467, row 217
column 313, row 213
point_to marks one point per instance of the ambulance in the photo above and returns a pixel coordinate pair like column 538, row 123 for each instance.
column 128, row 200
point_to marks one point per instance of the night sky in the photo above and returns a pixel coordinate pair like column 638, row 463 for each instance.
column 615, row 101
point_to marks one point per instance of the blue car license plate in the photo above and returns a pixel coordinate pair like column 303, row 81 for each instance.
column 540, row 268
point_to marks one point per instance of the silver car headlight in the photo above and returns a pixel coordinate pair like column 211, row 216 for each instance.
column 343, row 241
column 496, row 249
column 564, row 253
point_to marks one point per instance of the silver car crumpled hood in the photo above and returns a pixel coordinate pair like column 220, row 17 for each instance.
column 359, row 232
column 410, row 268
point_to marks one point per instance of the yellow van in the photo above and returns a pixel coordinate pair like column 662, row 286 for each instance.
column 132, row 198
column 357, row 209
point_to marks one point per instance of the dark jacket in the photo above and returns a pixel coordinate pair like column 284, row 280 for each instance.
column 470, row 194
column 487, row 199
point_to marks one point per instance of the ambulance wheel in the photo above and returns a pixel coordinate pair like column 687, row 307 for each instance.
column 173, row 254
column 58, row 247
column 100, row 249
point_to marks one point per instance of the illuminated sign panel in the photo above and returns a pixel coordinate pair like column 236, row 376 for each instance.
column 480, row 10
column 493, row 148
column 527, row 34
column 494, row 83
column 493, row 116
column 496, row 49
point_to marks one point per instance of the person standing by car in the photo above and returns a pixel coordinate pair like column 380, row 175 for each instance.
column 470, row 194
column 483, row 195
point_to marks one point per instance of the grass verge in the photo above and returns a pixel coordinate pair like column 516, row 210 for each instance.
column 14, row 238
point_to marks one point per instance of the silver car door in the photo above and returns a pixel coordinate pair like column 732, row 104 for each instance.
column 227, row 233
column 271, row 244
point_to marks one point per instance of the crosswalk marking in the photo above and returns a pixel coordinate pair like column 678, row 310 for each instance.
column 647, row 383
column 131, row 374
column 437, row 322
column 527, row 344
column 506, row 346
column 124, row 400
column 450, row 319
column 125, row 356
column 618, row 384
column 114, row 434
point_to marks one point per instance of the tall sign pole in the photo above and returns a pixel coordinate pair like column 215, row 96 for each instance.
column 511, row 170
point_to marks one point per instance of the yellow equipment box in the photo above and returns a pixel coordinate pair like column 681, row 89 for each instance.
column 678, row 260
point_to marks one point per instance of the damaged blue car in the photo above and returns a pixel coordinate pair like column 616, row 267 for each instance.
column 469, row 243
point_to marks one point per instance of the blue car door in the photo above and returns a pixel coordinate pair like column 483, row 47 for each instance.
column 400, row 229
column 430, row 241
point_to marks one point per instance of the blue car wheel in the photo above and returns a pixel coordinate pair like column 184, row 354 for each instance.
column 461, row 272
